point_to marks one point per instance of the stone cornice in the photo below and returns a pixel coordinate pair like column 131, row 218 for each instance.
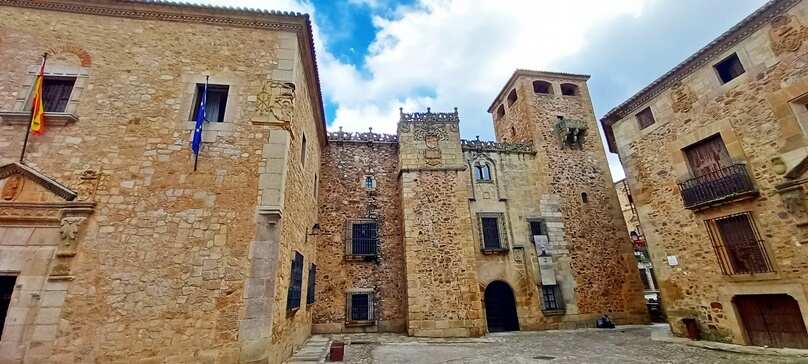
column 533, row 73
column 207, row 14
column 724, row 42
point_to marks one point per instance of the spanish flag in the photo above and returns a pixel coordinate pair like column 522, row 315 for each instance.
column 37, row 109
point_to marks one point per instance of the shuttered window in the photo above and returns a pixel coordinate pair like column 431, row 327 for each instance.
column 645, row 118
column 707, row 156
column 312, row 283
column 296, row 283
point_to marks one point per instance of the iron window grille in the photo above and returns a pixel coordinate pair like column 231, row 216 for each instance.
column 296, row 283
column 360, row 307
column 492, row 232
column 738, row 245
column 312, row 283
column 361, row 238
column 551, row 298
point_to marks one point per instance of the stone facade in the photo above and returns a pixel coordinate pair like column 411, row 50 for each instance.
column 121, row 251
column 758, row 112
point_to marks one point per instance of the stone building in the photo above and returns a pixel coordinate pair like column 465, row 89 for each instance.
column 424, row 232
column 112, row 248
column 716, row 153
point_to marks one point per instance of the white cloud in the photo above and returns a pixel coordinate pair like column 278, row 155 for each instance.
column 459, row 53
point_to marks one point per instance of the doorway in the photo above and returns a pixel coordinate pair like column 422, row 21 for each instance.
column 500, row 307
column 6, row 289
column 772, row 320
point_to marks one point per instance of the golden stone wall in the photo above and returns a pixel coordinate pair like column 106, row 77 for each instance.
column 759, row 115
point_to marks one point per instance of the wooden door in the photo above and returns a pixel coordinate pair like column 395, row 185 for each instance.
column 772, row 320
column 500, row 308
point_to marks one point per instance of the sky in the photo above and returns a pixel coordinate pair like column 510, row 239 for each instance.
column 376, row 56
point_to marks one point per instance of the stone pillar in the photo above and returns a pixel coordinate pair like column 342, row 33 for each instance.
column 443, row 296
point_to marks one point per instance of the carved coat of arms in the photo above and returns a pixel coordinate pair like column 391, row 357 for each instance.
column 682, row 98
column 432, row 155
column 12, row 187
column 787, row 34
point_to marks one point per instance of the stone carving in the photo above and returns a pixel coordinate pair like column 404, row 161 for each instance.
column 421, row 131
column 682, row 98
column 368, row 137
column 429, row 117
column 12, row 187
column 278, row 100
column 86, row 184
column 571, row 132
column 432, row 155
column 29, row 213
column 503, row 147
column 787, row 34
column 69, row 228
column 794, row 201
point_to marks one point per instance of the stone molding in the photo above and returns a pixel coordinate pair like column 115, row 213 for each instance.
column 57, row 188
column 213, row 15
column 724, row 42
column 24, row 118
column 428, row 117
column 496, row 147
column 356, row 137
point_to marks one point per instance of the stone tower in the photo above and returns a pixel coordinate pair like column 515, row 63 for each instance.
column 592, row 258
column 443, row 295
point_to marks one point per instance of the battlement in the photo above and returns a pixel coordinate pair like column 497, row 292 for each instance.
column 492, row 146
column 357, row 137
column 429, row 116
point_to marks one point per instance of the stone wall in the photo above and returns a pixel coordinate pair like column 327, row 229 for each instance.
column 759, row 117
column 161, row 270
column 344, row 195
column 601, row 259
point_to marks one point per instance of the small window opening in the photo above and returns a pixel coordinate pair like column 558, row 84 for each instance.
column 645, row 118
column 513, row 133
column 568, row 89
column 542, row 87
column 551, row 298
column 500, row 111
column 311, row 286
column 6, row 289
column 584, row 197
column 56, row 93
column 511, row 97
column 536, row 228
column 482, row 172
column 369, row 182
column 560, row 117
column 215, row 103
column 303, row 151
column 730, row 68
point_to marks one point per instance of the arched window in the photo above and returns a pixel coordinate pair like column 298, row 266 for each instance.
column 500, row 111
column 511, row 97
column 482, row 172
column 542, row 87
column 370, row 182
column 568, row 89
column 584, row 197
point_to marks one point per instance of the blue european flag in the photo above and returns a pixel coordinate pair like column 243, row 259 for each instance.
column 200, row 117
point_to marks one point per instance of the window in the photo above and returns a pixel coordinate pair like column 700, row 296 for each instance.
column 708, row 156
column 536, row 228
column 491, row 231
column 511, row 97
column 303, row 151
column 500, row 111
column 370, row 182
column 542, row 87
column 312, row 283
column 560, row 117
column 360, row 306
column 568, row 89
column 513, row 133
column 214, row 105
column 314, row 192
column 482, row 172
column 645, row 118
column 6, row 290
column 56, row 93
column 738, row 245
column 295, row 283
column 729, row 68
column 361, row 238
column 584, row 197
column 551, row 298
column 644, row 278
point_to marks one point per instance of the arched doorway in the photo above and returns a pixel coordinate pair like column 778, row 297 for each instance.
column 500, row 308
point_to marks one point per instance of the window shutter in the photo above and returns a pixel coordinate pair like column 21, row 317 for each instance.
column 708, row 156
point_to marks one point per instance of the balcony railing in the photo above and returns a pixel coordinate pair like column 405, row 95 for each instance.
column 719, row 185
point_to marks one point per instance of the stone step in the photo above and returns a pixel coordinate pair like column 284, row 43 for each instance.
column 314, row 350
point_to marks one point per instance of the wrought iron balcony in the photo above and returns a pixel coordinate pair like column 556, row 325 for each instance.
column 725, row 183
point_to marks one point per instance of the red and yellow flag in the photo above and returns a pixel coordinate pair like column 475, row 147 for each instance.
column 38, row 110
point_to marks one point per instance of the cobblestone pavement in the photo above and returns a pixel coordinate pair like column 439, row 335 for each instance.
column 623, row 346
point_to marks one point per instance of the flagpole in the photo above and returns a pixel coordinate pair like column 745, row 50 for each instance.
column 196, row 157
column 33, row 110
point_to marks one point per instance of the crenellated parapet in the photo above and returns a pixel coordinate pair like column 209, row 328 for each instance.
column 429, row 116
column 357, row 137
column 502, row 147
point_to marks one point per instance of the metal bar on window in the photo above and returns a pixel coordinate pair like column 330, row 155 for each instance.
column 738, row 245
column 490, row 232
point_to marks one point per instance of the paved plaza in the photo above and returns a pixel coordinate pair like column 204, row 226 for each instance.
column 627, row 345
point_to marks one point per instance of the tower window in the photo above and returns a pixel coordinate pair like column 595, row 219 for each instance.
column 542, row 87
column 500, row 111
column 568, row 89
column 511, row 97
column 584, row 197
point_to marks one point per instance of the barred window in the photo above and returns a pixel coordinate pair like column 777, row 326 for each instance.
column 492, row 231
column 551, row 298
column 312, row 283
column 360, row 306
column 738, row 245
column 361, row 238
column 296, row 283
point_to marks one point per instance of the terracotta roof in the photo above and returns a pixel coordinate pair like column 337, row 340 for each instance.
column 534, row 73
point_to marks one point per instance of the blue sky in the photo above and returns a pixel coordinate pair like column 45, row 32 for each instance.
column 378, row 55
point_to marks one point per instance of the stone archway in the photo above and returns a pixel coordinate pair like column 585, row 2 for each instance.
column 500, row 307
